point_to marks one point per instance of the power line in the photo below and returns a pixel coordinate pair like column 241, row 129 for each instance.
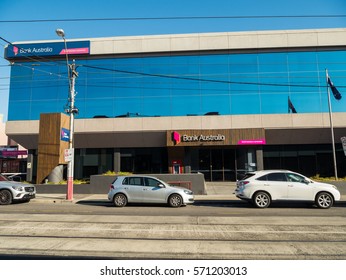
column 186, row 78
column 172, row 18
column 54, row 63
column 204, row 80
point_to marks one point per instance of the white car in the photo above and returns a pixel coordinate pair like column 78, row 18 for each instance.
column 262, row 187
column 147, row 189
column 11, row 191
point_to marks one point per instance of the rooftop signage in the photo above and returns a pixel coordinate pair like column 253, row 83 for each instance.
column 47, row 49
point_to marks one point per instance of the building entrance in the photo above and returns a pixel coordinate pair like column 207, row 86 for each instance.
column 226, row 164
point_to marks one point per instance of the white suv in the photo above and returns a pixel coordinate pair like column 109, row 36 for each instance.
column 15, row 191
column 262, row 187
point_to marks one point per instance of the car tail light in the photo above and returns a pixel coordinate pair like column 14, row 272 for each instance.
column 111, row 187
column 244, row 183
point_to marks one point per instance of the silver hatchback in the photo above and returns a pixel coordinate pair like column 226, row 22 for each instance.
column 147, row 189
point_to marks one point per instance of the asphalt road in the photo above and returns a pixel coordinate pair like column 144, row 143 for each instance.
column 218, row 229
column 204, row 207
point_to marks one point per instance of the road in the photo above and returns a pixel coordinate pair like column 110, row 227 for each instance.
column 210, row 229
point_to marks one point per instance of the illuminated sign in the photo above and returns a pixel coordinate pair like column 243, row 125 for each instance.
column 252, row 142
column 203, row 138
column 11, row 152
column 216, row 137
column 178, row 137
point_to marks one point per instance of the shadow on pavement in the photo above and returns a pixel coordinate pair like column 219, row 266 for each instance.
column 215, row 203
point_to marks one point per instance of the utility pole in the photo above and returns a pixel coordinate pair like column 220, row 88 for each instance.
column 71, row 111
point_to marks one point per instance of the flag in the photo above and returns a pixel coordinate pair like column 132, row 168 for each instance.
column 291, row 107
column 335, row 91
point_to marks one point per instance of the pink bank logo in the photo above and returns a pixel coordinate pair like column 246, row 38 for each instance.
column 15, row 50
column 176, row 138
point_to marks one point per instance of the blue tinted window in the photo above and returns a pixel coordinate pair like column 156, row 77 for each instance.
column 226, row 84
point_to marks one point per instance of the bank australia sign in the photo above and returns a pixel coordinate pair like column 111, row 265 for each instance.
column 196, row 138
column 14, row 51
column 216, row 137
column 199, row 137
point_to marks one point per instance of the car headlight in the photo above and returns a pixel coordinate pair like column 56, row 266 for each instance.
column 188, row 192
column 18, row 188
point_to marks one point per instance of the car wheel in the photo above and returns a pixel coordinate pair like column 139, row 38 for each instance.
column 261, row 199
column 175, row 200
column 324, row 200
column 120, row 200
column 5, row 197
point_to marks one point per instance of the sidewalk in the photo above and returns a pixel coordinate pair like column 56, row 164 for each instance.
column 61, row 198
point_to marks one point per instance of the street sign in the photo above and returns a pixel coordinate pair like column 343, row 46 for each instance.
column 68, row 154
column 65, row 134
column 343, row 141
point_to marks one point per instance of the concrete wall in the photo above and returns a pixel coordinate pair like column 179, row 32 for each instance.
column 218, row 41
column 99, row 184
column 62, row 189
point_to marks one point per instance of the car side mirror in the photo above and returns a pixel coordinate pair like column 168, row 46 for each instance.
column 161, row 185
column 15, row 179
column 306, row 181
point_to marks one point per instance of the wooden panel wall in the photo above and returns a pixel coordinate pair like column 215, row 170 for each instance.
column 50, row 147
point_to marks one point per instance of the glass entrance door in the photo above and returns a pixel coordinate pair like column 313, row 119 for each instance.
column 226, row 164
column 216, row 164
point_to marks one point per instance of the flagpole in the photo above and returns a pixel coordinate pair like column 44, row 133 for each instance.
column 331, row 127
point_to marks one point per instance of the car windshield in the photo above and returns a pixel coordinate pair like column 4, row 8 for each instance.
column 3, row 178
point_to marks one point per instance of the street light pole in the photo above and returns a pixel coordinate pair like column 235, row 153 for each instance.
column 72, row 74
column 71, row 110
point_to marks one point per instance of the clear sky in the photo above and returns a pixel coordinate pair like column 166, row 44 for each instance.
column 297, row 14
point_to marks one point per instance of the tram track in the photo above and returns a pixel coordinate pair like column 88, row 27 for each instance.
column 148, row 236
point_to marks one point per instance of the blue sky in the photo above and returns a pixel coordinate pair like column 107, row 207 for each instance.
column 18, row 10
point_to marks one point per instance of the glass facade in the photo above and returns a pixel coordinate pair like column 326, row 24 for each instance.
column 188, row 85
column 180, row 85
column 309, row 160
